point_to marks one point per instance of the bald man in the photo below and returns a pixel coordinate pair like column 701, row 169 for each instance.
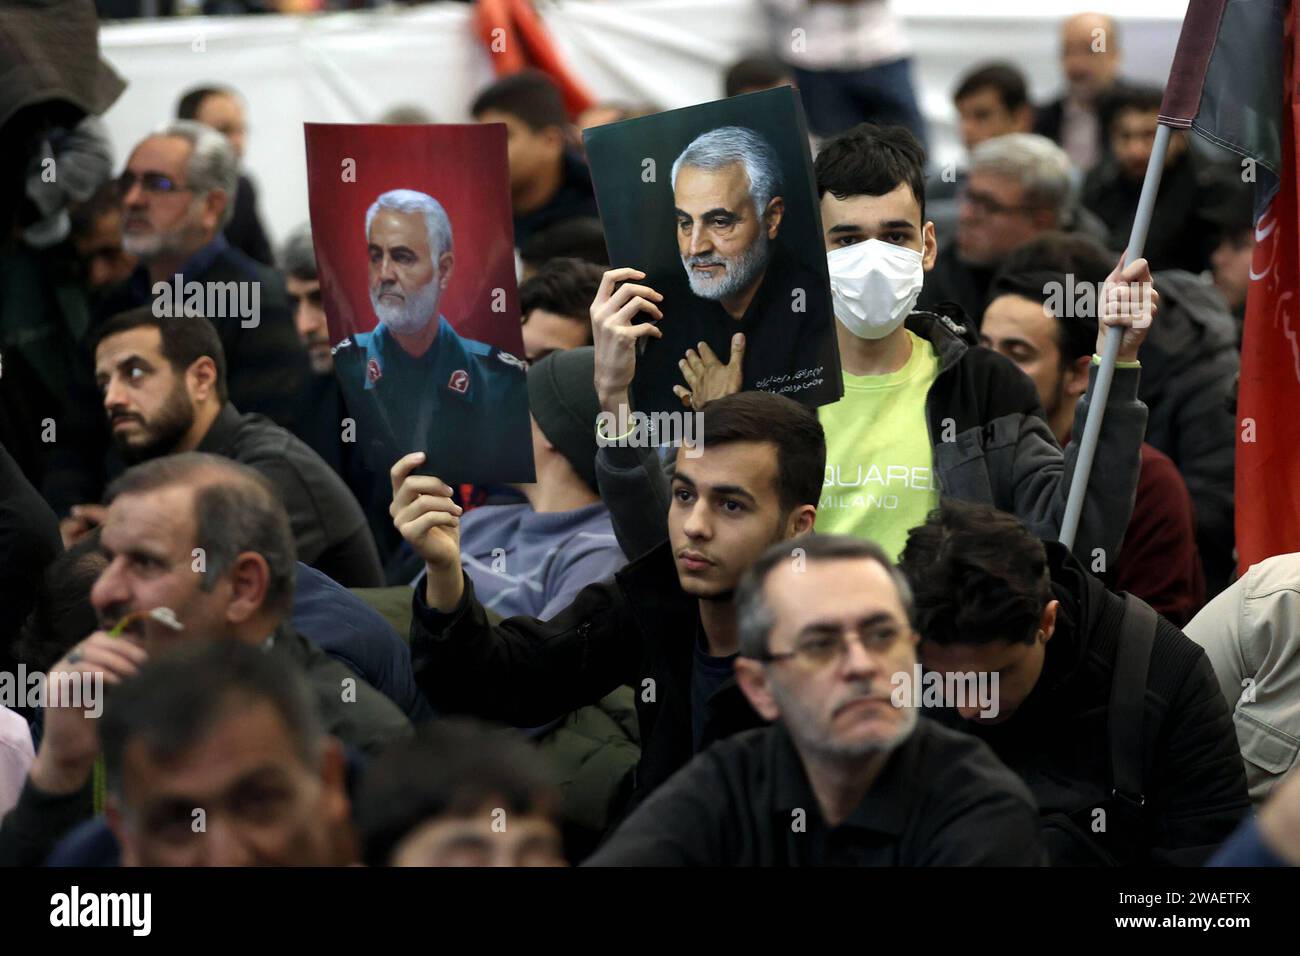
column 1090, row 62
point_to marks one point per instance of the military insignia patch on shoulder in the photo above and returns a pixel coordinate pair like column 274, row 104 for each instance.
column 459, row 381
column 513, row 360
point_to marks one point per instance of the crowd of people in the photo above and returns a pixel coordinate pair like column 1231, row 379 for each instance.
column 716, row 654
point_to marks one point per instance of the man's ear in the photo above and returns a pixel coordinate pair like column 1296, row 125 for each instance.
column 801, row 521
column 1047, row 623
column 250, row 577
column 929, row 246
column 445, row 262
column 555, row 138
column 773, row 214
column 1076, row 376
column 336, row 807
column 201, row 377
column 214, row 206
column 751, row 676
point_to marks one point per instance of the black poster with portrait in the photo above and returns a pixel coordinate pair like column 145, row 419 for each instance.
column 717, row 205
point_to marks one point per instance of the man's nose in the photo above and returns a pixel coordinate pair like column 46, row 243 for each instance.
column 135, row 196
column 387, row 269
column 697, row 522
column 699, row 241
column 113, row 396
column 858, row 661
column 109, row 589
column 226, row 844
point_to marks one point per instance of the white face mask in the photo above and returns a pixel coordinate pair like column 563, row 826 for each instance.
column 874, row 286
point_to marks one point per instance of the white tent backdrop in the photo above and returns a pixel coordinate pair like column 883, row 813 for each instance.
column 351, row 67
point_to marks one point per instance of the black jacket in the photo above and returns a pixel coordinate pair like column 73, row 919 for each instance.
column 942, row 799
column 244, row 231
column 329, row 528
column 1057, row 739
column 266, row 368
column 29, row 540
column 1184, row 224
column 638, row 629
column 1189, row 368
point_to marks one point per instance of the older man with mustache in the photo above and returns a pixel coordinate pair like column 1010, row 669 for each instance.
column 846, row 775
column 413, row 382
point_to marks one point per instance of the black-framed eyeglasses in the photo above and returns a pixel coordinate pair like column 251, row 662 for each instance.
column 986, row 205
column 149, row 182
column 830, row 647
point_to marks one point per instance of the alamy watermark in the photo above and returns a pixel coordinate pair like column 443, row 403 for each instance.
column 951, row 689
column 213, row 300
column 652, row 430
column 1091, row 300
column 76, row 689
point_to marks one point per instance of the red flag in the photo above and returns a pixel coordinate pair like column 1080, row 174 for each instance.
column 1268, row 403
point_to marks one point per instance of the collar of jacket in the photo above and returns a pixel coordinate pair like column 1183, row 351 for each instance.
column 445, row 357
column 220, row 438
column 670, row 618
column 655, row 594
column 1078, row 593
column 949, row 338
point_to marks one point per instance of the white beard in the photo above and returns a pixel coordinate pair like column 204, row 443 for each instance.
column 413, row 315
column 740, row 270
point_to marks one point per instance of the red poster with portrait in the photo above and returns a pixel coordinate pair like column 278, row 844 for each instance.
column 415, row 252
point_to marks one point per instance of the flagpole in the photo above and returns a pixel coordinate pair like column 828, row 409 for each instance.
column 1110, row 349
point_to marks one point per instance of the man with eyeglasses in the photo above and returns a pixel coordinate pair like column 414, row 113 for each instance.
column 176, row 194
column 1019, row 186
column 847, row 775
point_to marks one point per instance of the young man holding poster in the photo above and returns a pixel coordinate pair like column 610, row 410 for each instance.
column 924, row 412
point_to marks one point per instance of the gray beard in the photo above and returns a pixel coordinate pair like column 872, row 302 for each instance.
column 803, row 726
column 740, row 270
column 414, row 315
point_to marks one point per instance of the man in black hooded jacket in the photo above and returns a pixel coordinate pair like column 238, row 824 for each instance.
column 1110, row 714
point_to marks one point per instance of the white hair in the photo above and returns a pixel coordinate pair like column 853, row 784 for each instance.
column 213, row 163
column 1040, row 166
column 408, row 200
column 727, row 145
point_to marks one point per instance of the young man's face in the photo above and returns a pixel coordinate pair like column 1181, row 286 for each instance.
column 309, row 319
column 1230, row 263
column 531, row 154
column 1017, row 664
column 148, row 403
column 721, row 237
column 1132, row 139
column 994, row 218
column 983, row 116
column 165, row 218
column 894, row 217
column 725, row 511
column 1025, row 332
column 845, row 624
column 261, row 803
column 149, row 539
column 546, row 332
column 490, row 837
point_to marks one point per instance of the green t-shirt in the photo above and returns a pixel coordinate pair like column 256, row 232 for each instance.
column 879, row 464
